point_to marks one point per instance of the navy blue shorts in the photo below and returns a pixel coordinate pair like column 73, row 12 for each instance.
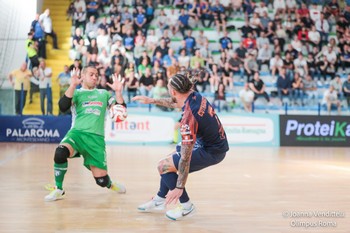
column 200, row 158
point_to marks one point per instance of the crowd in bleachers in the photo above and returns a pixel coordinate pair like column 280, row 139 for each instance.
column 278, row 49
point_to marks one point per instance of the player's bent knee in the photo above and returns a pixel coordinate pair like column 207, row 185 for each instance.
column 103, row 181
column 61, row 154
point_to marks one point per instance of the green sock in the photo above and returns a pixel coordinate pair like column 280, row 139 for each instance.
column 110, row 183
column 60, row 170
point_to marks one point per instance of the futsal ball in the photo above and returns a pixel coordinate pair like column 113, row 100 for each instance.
column 118, row 113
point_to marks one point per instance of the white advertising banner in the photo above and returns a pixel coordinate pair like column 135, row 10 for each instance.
column 251, row 130
column 139, row 128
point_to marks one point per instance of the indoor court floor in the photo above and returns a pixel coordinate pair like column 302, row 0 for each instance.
column 254, row 190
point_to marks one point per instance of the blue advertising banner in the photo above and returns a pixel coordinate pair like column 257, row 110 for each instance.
column 34, row 128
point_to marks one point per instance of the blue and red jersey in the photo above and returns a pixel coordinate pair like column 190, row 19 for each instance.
column 200, row 125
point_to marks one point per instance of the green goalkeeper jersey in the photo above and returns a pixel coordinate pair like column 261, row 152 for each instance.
column 89, row 110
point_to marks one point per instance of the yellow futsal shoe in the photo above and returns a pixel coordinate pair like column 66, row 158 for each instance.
column 119, row 188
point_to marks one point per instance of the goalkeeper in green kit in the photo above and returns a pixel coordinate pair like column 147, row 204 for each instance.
column 86, row 137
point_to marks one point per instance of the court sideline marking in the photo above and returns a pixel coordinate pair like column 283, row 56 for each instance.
column 15, row 156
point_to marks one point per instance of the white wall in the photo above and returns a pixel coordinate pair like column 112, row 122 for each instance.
column 15, row 17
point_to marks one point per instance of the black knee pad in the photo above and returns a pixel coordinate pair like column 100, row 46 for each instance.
column 102, row 181
column 61, row 154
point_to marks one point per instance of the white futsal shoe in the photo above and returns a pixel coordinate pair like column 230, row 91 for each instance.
column 181, row 211
column 55, row 194
column 154, row 205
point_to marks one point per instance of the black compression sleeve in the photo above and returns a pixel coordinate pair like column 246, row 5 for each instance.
column 64, row 103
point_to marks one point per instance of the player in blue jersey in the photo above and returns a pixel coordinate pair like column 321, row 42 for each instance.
column 204, row 143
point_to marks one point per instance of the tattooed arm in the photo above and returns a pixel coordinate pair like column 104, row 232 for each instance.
column 166, row 102
column 184, row 165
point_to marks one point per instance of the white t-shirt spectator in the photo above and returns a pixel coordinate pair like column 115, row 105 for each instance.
column 45, row 77
column 46, row 22
column 279, row 4
column 331, row 95
column 246, row 95
column 315, row 14
column 275, row 62
column 314, row 36
column 80, row 3
column 331, row 56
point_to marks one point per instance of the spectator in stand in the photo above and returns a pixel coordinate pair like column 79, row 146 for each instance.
column 77, row 38
column 310, row 89
column 338, row 86
column 34, row 84
column 258, row 87
column 76, row 65
column 245, row 29
column 281, row 35
column 346, row 90
column 341, row 25
column 303, row 12
column 314, row 12
column 128, row 41
column 140, row 21
column 247, row 97
column 330, row 100
column 39, row 36
column 103, row 26
column 218, row 12
column 32, row 51
column 314, row 37
column 345, row 58
column 227, row 76
column 20, row 79
column 215, row 78
column 162, row 48
column 80, row 18
column 201, row 40
column 284, row 86
column 293, row 52
column 160, row 91
column 143, row 66
column 236, row 65
column 288, row 65
column 202, row 79
column 197, row 58
column 173, row 69
column 92, row 8
column 132, row 85
column 220, row 98
column 63, row 80
column 45, row 84
column 91, row 29
column 46, row 23
column 279, row 6
column 225, row 41
column 149, row 12
column 162, row 21
column 255, row 24
column 115, row 28
column 184, row 60
column 183, row 22
column 190, row 42
column 322, row 26
column 288, row 25
column 206, row 13
column 298, row 89
column 146, row 83
column 300, row 65
column 249, row 42
column 70, row 11
column 264, row 56
column 103, row 41
column 194, row 11
column 250, row 66
column 169, row 58
column 260, row 41
column 80, row 3
column 276, row 64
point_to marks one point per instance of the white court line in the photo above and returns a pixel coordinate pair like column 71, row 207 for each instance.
column 15, row 156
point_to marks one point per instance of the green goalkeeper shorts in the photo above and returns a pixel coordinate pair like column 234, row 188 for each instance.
column 91, row 146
